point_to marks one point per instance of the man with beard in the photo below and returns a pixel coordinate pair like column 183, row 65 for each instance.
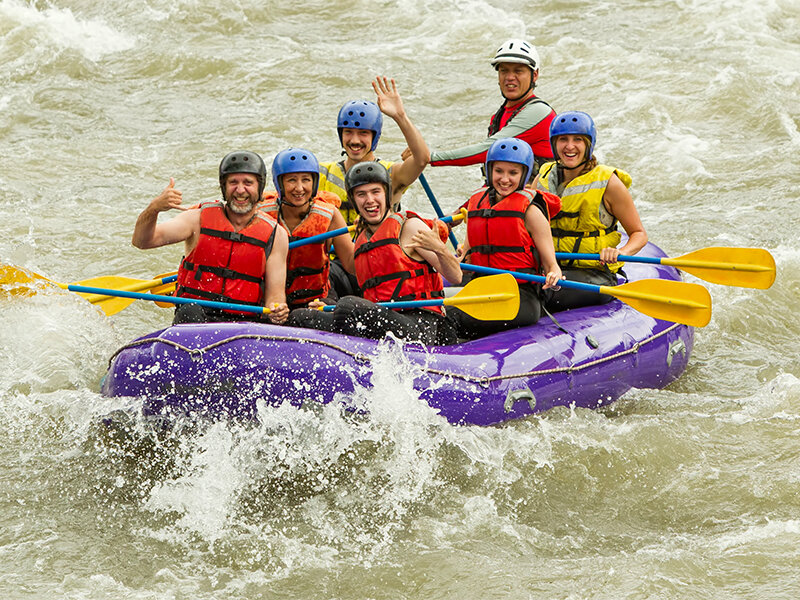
column 522, row 115
column 359, row 126
column 233, row 252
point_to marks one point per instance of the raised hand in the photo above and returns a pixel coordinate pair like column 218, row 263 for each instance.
column 388, row 97
column 168, row 199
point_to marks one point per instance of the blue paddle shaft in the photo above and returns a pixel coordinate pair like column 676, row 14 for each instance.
column 653, row 260
column 329, row 234
column 436, row 207
column 172, row 299
column 576, row 285
column 398, row 304
column 318, row 238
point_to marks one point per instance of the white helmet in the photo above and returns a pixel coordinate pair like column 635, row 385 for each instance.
column 517, row 51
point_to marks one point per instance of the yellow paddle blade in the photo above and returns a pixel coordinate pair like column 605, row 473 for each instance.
column 112, row 282
column 743, row 267
column 17, row 281
column 491, row 298
column 124, row 284
column 676, row 301
column 165, row 289
column 111, row 305
column 21, row 282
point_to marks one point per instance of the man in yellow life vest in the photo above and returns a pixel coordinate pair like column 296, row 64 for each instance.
column 359, row 126
column 233, row 252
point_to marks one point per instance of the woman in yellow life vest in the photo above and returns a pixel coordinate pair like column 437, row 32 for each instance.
column 594, row 198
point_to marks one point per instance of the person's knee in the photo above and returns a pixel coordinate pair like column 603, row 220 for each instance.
column 190, row 313
column 342, row 283
column 299, row 317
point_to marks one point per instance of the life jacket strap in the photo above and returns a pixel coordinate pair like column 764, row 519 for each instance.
column 182, row 290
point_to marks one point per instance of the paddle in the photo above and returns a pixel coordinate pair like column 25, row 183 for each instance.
column 83, row 289
column 742, row 267
column 676, row 301
column 20, row 278
column 111, row 304
column 493, row 298
column 329, row 234
column 436, row 207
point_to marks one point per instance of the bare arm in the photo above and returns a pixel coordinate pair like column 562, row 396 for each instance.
column 539, row 228
column 275, row 288
column 390, row 103
column 148, row 233
column 522, row 126
column 618, row 201
column 420, row 243
column 464, row 247
column 343, row 244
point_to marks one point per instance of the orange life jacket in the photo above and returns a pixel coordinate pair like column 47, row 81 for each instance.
column 307, row 266
column 497, row 234
column 386, row 273
column 227, row 265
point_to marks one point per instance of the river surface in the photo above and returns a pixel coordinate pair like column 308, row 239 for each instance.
column 688, row 492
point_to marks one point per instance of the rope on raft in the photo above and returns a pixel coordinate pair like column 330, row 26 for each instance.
column 197, row 354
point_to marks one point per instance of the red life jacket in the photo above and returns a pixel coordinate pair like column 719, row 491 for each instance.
column 497, row 234
column 537, row 136
column 227, row 265
column 307, row 266
column 386, row 273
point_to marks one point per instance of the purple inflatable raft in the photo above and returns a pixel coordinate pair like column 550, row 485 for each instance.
column 224, row 370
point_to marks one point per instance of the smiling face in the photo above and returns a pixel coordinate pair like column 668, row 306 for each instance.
column 297, row 188
column 370, row 199
column 357, row 143
column 506, row 177
column 515, row 80
column 571, row 150
column 241, row 192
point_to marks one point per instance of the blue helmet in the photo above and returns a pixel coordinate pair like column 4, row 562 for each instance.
column 573, row 122
column 510, row 150
column 294, row 160
column 361, row 114
column 243, row 162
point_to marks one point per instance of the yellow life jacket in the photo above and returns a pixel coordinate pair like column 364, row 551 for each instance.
column 584, row 224
column 331, row 179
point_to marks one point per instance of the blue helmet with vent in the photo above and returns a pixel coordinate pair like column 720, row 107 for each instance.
column 294, row 160
column 573, row 122
column 361, row 114
column 511, row 150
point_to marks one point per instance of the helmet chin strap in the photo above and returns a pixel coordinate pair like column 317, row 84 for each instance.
column 282, row 203
column 576, row 167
